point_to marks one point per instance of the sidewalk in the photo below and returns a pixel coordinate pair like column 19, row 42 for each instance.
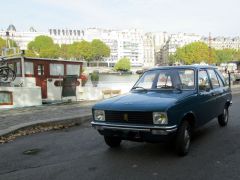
column 14, row 119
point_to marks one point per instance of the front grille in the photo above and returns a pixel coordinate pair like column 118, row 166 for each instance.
column 132, row 117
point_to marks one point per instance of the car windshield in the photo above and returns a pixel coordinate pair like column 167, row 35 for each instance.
column 166, row 79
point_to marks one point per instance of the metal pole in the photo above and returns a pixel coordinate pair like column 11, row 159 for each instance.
column 23, row 68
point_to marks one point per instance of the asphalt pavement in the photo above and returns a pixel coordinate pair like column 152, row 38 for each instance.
column 80, row 153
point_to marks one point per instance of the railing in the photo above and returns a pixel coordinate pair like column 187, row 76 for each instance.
column 6, row 73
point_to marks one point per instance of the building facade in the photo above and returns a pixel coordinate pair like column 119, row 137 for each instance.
column 223, row 42
column 22, row 38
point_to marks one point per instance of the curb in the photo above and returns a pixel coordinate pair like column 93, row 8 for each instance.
column 55, row 121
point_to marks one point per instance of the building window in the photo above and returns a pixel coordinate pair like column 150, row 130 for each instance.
column 40, row 70
column 56, row 69
column 18, row 68
column 6, row 98
column 15, row 67
column 28, row 68
column 73, row 69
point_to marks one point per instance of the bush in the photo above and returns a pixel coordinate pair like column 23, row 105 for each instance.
column 123, row 65
column 95, row 78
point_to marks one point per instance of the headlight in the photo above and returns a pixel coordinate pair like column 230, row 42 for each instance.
column 99, row 115
column 160, row 118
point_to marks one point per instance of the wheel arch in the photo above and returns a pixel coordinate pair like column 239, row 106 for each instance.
column 190, row 117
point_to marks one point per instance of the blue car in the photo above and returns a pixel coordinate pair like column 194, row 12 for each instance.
column 165, row 104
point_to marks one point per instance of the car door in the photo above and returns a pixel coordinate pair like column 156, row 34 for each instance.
column 224, row 91
column 217, row 92
column 205, row 99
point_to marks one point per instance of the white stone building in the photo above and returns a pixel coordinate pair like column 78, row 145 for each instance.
column 223, row 42
column 22, row 38
column 181, row 39
column 66, row 36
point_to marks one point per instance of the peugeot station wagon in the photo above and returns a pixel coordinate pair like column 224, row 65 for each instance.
column 165, row 104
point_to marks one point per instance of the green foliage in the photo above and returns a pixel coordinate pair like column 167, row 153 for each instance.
column 236, row 55
column 95, row 76
column 195, row 53
column 225, row 55
column 2, row 43
column 88, row 51
column 64, row 51
column 99, row 49
column 123, row 65
column 44, row 47
column 12, row 44
column 82, row 50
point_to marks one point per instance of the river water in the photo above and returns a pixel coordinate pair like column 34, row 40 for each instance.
column 114, row 81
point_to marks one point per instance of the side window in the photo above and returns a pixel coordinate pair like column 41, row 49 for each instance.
column 222, row 79
column 203, row 81
column 213, row 78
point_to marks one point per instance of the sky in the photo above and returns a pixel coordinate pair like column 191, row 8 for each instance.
column 220, row 17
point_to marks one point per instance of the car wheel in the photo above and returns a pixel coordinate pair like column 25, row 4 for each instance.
column 223, row 118
column 112, row 141
column 183, row 139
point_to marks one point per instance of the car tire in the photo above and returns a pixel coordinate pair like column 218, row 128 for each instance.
column 183, row 139
column 112, row 142
column 223, row 118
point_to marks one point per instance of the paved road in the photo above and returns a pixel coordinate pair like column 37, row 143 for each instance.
column 80, row 153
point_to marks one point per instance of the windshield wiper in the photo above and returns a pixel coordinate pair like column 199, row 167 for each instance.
column 139, row 87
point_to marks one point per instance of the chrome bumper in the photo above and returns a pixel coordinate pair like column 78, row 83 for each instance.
column 163, row 130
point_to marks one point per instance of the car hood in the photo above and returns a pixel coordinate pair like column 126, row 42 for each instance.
column 143, row 101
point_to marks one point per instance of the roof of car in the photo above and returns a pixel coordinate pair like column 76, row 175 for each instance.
column 185, row 67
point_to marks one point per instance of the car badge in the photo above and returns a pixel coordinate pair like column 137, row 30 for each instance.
column 125, row 117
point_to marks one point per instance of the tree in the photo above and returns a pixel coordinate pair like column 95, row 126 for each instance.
column 123, row 65
column 64, row 51
column 12, row 44
column 236, row 55
column 81, row 50
column 43, row 46
column 196, row 52
column 99, row 50
column 225, row 55
column 2, row 43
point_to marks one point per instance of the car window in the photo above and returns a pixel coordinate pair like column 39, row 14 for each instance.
column 147, row 80
column 164, row 81
column 213, row 78
column 158, row 79
column 203, row 81
column 220, row 81
column 187, row 79
column 221, row 77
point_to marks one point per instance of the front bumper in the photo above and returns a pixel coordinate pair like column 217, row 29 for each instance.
column 154, row 130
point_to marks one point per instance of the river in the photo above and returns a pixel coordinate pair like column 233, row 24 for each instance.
column 114, row 81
